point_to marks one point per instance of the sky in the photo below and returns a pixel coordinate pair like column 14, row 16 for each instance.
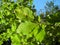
column 39, row 4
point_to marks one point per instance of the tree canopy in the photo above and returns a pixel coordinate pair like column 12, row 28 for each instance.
column 19, row 24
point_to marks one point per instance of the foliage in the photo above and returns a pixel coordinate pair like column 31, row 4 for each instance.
column 52, row 21
column 19, row 24
column 51, row 8
column 53, row 29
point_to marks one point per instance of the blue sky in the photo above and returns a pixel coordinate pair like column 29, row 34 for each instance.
column 39, row 4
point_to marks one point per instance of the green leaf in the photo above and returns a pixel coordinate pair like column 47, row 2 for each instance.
column 15, row 40
column 35, row 31
column 40, row 36
column 1, row 42
column 26, row 27
column 39, row 19
column 13, row 27
column 19, row 13
column 28, row 13
column 24, row 13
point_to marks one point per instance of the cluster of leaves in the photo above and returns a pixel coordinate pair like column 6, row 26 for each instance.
column 19, row 24
column 52, row 21
column 53, row 29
